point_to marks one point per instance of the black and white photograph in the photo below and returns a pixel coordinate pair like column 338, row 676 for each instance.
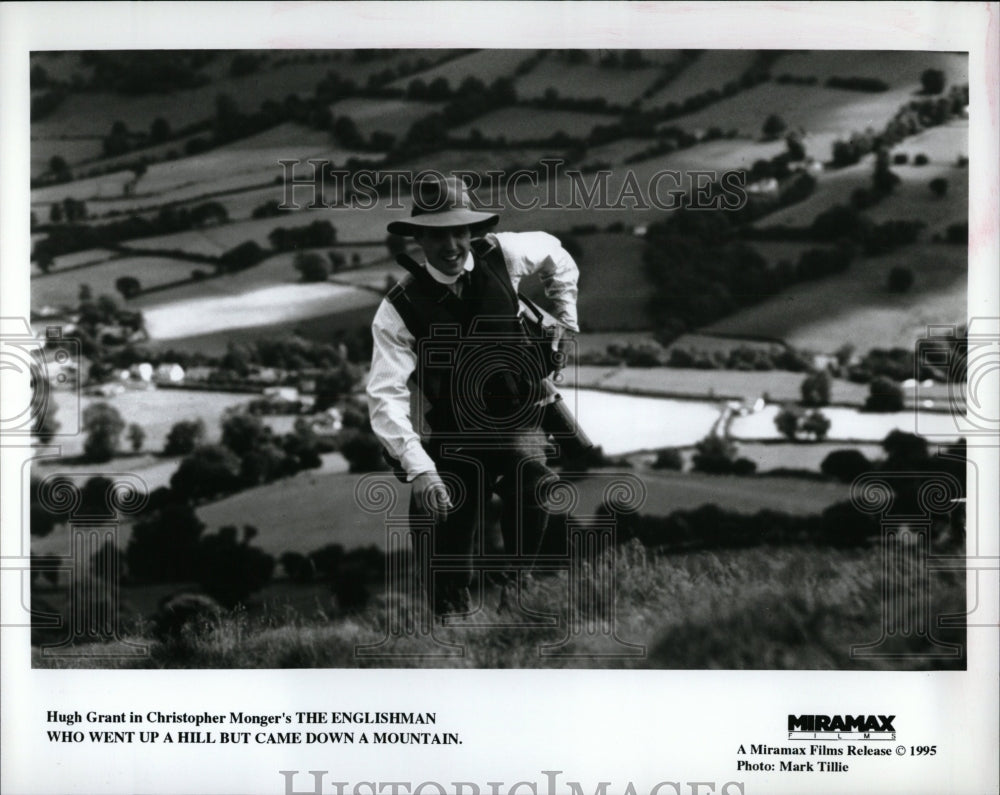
column 373, row 372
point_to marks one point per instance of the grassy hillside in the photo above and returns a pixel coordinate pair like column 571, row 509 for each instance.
column 859, row 309
column 767, row 608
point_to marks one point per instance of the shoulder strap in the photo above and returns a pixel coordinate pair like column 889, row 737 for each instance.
column 487, row 250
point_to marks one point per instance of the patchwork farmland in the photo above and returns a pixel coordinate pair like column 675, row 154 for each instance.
column 165, row 232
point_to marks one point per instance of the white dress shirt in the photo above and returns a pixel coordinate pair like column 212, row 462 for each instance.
column 394, row 357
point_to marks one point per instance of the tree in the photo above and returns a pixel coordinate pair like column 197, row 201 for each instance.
column 816, row 424
column 845, row 465
column 128, row 286
column 337, row 261
column 334, row 384
column 209, row 471
column 670, row 458
column 164, row 541
column 714, row 454
column 884, row 395
column 242, row 256
column 311, row 267
column 55, row 213
column 243, row 433
column 184, row 437
column 774, row 126
column 787, row 422
column 58, row 165
column 363, row 451
column 159, row 130
column 136, row 437
column 884, row 180
column 900, row 279
column 795, row 148
column 933, row 81
column 905, row 450
column 103, row 425
column 939, row 187
column 815, row 389
column 230, row 570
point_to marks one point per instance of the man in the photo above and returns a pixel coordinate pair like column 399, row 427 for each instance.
column 453, row 390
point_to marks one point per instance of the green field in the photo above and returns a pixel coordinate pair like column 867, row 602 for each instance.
column 813, row 109
column 522, row 124
column 72, row 150
column 393, row 116
column 156, row 410
column 485, row 65
column 616, row 86
column 712, row 69
column 63, row 289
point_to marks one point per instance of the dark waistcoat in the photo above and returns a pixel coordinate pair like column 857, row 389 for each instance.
column 475, row 365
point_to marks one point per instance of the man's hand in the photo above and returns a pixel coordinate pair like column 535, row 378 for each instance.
column 432, row 495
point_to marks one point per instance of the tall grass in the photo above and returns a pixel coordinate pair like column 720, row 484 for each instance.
column 759, row 608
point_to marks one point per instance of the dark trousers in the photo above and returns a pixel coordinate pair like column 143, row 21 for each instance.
column 512, row 467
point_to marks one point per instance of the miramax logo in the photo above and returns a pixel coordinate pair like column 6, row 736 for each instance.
column 841, row 727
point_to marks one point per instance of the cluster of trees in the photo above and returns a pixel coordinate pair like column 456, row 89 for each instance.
column 45, row 103
column 719, row 455
column 796, row 80
column 743, row 357
column 847, row 227
column 357, row 442
column 249, row 454
column 910, row 119
column 168, row 544
column 120, row 140
column 703, row 272
column 102, row 325
column 791, row 421
column 69, row 237
column 138, row 72
column 294, row 354
column 314, row 235
column 872, row 84
column 350, row 574
column 69, row 210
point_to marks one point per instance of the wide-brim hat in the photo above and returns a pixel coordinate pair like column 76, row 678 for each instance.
column 438, row 202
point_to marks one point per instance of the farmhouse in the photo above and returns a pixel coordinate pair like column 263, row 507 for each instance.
column 170, row 373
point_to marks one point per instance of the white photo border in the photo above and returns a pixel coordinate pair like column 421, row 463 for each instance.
column 642, row 727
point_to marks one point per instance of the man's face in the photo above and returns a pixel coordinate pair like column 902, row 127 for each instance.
column 445, row 248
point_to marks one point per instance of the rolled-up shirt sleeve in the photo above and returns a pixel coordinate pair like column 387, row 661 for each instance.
column 394, row 360
column 527, row 253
